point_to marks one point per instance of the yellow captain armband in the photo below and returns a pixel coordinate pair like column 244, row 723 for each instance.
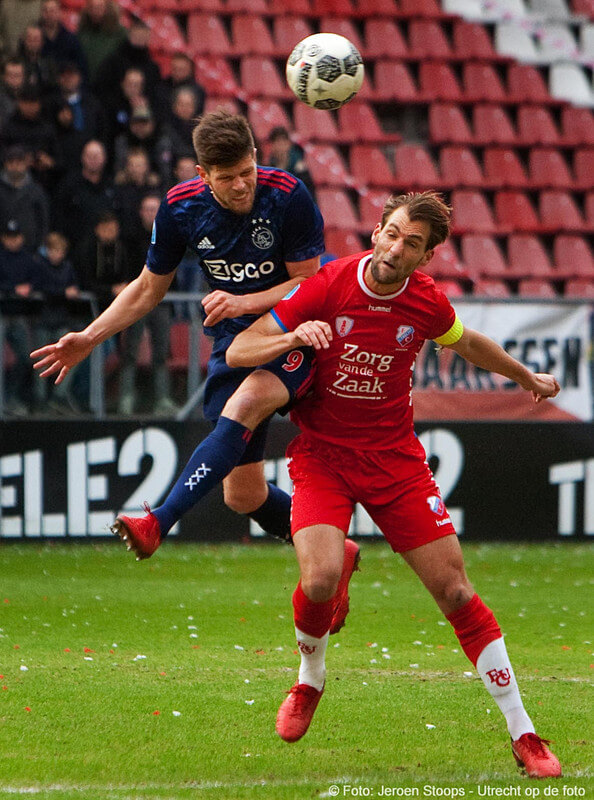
column 453, row 335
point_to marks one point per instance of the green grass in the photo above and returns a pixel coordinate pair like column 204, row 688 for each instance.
column 214, row 628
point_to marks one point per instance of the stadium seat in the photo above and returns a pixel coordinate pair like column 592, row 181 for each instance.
column 342, row 243
column 450, row 288
column 287, row 31
column 447, row 123
column 310, row 123
column 556, row 42
column 536, row 126
column 260, row 78
column 583, row 168
column 585, row 7
column 414, row 168
column 384, row 39
column 179, row 347
column 343, row 27
column 492, row 125
column 471, row 213
column 572, row 256
column 327, row 166
column 338, row 8
column 525, row 83
column 577, row 125
column 459, row 167
column 548, row 168
column 189, row 6
column 371, row 206
column 207, row 34
column 214, row 103
column 579, row 287
column 293, row 8
column 559, row 211
column 503, row 169
column 569, row 82
column 264, row 115
column 166, row 34
column 337, row 209
column 437, row 81
column 216, row 76
column 515, row 212
column 426, row 39
column 502, row 9
column 357, row 122
column 369, row 166
column 514, row 41
column 482, row 83
column 446, row 262
column 472, row 41
column 470, row 9
column 589, row 208
column 375, row 8
column 246, row 6
column 250, row 34
column 482, row 256
column 536, row 287
column 549, row 9
column 394, row 81
column 420, row 8
column 527, row 256
column 490, row 287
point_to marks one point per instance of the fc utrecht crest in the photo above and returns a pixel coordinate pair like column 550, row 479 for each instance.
column 436, row 504
column 344, row 325
column 405, row 335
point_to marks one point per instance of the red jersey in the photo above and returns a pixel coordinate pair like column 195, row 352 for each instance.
column 362, row 388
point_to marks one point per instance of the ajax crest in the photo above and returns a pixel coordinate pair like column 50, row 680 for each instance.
column 344, row 325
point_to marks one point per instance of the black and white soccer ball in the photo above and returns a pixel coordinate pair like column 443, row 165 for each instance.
column 325, row 70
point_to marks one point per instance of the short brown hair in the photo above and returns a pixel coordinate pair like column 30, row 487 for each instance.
column 222, row 139
column 55, row 239
column 427, row 206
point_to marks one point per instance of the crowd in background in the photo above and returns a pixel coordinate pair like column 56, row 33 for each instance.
column 91, row 136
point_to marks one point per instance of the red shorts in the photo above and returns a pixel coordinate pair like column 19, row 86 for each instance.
column 396, row 488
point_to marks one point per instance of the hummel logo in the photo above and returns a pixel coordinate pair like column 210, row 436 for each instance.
column 205, row 244
column 197, row 476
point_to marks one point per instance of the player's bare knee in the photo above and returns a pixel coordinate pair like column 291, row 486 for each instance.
column 320, row 583
column 244, row 500
column 249, row 405
column 456, row 594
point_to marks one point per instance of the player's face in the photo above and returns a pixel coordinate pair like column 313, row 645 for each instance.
column 233, row 187
column 398, row 249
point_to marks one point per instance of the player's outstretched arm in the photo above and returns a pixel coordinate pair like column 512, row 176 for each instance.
column 137, row 299
column 487, row 354
column 265, row 340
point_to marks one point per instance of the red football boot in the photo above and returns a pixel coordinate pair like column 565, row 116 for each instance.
column 534, row 757
column 296, row 712
column 141, row 534
column 352, row 557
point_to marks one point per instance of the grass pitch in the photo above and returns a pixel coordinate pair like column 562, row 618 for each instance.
column 124, row 680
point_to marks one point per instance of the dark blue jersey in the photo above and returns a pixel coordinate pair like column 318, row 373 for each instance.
column 238, row 253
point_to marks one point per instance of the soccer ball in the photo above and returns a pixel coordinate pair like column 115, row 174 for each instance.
column 325, row 70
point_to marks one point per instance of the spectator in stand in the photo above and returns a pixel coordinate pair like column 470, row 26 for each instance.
column 88, row 116
column 132, row 184
column 99, row 33
column 128, row 97
column 15, row 15
column 30, row 128
column 181, row 122
column 13, row 81
column 142, row 131
column 84, row 195
column 40, row 71
column 184, row 168
column 60, row 46
column 22, row 199
column 157, row 321
column 54, row 277
column 284, row 153
column 17, row 269
column 182, row 75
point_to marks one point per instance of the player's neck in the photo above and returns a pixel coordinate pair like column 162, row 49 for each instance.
column 381, row 288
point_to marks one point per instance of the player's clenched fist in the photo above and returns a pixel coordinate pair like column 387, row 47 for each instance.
column 544, row 385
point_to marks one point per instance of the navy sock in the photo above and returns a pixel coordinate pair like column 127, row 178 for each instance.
column 211, row 461
column 274, row 515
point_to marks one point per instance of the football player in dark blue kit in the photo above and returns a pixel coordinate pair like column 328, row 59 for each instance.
column 256, row 234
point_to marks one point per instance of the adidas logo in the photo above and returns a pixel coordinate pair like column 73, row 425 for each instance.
column 205, row 244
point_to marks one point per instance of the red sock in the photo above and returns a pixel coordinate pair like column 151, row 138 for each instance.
column 475, row 626
column 312, row 618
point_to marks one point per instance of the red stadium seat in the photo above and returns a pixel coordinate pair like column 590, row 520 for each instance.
column 535, row 287
column 472, row 41
column 260, row 78
column 327, row 166
column 577, row 125
column 572, row 256
column 437, row 81
column 338, row 8
column 450, row 288
column 515, row 212
column 490, row 287
column 527, row 256
column 583, row 168
column 536, row 126
column 298, row 8
column 426, row 39
column 342, row 243
column 492, row 125
column 394, row 81
column 358, row 122
column 471, row 213
column 264, row 115
column 384, row 39
column 447, row 123
column 548, row 168
column 375, row 8
column 337, row 209
column 526, row 84
column 343, row 27
column 414, row 168
column 459, row 167
column 251, row 34
column 216, row 76
column 482, row 83
column 246, row 6
column 483, row 256
column 446, row 262
column 580, row 287
column 371, row 206
column 310, row 123
column 287, row 31
column 589, row 207
column 369, row 166
column 559, row 211
column 503, row 168
column 420, row 8
column 213, row 103
column 166, row 35
column 207, row 34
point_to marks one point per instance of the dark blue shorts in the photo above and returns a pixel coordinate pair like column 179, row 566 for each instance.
column 294, row 369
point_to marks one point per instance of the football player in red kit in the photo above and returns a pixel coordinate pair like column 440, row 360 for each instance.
column 367, row 317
